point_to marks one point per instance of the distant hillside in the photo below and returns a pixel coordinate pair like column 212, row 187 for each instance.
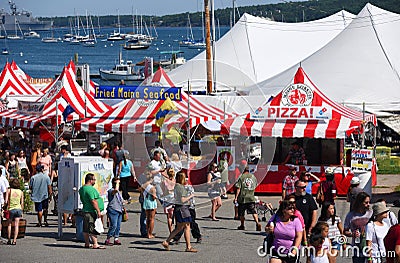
column 285, row 11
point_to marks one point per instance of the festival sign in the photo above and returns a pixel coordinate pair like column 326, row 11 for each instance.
column 138, row 92
column 30, row 108
column 295, row 104
column 361, row 159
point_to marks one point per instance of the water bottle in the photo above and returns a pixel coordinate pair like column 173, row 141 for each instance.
column 357, row 237
column 236, row 204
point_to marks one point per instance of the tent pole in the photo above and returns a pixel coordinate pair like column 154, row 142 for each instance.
column 188, row 131
column 56, row 128
column 363, row 126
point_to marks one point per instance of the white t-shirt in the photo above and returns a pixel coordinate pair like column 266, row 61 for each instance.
column 3, row 188
column 391, row 220
column 156, row 166
column 322, row 258
column 372, row 232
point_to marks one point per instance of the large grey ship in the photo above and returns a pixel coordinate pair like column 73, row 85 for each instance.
column 23, row 18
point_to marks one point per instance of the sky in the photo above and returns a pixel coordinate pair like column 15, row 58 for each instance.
column 51, row 8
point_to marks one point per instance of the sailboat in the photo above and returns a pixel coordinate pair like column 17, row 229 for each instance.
column 16, row 36
column 116, row 36
column 91, row 40
column 199, row 44
column 189, row 38
column 4, row 50
column 51, row 39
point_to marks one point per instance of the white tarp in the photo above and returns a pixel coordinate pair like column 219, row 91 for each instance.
column 256, row 49
column 360, row 65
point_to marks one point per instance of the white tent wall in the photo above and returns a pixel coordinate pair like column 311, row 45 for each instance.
column 360, row 65
column 234, row 104
column 256, row 49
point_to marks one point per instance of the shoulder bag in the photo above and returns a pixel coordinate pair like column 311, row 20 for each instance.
column 320, row 195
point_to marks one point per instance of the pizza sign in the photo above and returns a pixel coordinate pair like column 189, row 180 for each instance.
column 297, row 95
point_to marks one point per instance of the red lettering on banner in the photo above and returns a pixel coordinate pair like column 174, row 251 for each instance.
column 284, row 112
column 271, row 111
column 303, row 113
column 294, row 110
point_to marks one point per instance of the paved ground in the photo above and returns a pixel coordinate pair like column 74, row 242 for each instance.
column 221, row 242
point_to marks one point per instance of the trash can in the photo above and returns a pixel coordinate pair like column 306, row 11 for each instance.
column 79, row 225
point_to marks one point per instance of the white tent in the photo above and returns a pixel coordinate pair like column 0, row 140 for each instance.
column 256, row 49
column 360, row 65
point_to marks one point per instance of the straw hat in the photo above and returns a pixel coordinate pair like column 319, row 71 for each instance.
column 379, row 208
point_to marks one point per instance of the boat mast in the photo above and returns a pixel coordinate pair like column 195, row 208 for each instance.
column 208, row 47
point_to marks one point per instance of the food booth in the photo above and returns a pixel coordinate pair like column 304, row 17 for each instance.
column 301, row 113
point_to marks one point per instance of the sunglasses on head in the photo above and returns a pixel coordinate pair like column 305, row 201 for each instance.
column 301, row 187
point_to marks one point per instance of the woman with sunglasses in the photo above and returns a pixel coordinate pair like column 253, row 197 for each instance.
column 22, row 165
column 288, row 233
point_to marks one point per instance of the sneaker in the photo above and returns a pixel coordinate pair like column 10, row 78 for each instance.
column 117, row 242
column 108, row 243
column 258, row 227
column 224, row 197
column 240, row 228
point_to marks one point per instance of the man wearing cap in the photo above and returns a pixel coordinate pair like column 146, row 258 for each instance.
column 354, row 190
column 288, row 182
column 296, row 154
column 375, row 232
column 40, row 186
column 246, row 184
column 392, row 244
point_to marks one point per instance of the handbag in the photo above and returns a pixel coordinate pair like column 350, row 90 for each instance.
column 125, row 216
column 320, row 195
column 184, row 210
column 6, row 214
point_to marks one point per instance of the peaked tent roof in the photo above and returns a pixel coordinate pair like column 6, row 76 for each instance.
column 11, row 83
column 67, row 92
column 18, row 71
column 256, row 49
column 138, row 116
column 362, row 64
column 342, row 118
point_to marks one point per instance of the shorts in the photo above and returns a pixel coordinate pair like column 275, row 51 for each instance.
column 88, row 223
column 40, row 206
column 213, row 194
column 169, row 210
column 284, row 258
column 15, row 213
column 250, row 207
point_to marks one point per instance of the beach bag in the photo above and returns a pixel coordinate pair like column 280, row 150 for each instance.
column 320, row 195
column 125, row 216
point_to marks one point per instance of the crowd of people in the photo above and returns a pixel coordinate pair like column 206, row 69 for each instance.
column 295, row 225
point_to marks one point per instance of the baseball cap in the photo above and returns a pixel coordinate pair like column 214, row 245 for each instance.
column 355, row 180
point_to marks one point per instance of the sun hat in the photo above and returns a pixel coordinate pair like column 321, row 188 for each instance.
column 379, row 208
column 355, row 180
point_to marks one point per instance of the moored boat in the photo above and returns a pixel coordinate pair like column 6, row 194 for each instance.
column 122, row 71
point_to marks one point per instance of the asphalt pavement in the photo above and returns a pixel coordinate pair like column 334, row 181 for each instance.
column 222, row 242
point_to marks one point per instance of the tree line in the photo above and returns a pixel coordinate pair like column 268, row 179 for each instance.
column 285, row 11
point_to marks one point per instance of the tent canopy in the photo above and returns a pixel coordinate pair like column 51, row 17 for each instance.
column 299, row 110
column 62, row 92
column 361, row 64
column 256, row 49
column 12, row 82
column 138, row 116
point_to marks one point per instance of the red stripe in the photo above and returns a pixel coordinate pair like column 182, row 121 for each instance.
column 309, row 131
column 287, row 131
column 267, row 128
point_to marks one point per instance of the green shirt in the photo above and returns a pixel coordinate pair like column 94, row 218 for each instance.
column 247, row 183
column 87, row 194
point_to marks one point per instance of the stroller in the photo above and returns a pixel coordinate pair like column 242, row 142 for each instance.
column 265, row 210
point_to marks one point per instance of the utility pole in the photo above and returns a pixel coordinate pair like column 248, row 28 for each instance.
column 208, row 47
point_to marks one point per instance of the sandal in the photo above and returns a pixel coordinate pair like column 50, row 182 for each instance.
column 13, row 243
column 38, row 225
column 90, row 246
column 165, row 245
column 191, row 249
column 46, row 224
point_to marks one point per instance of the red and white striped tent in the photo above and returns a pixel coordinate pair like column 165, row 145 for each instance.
column 19, row 72
column 12, row 82
column 63, row 91
column 138, row 116
column 300, row 110
column 72, row 69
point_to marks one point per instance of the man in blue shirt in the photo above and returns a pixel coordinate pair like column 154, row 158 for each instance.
column 40, row 186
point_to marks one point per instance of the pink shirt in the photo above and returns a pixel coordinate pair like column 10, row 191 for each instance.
column 46, row 162
column 300, row 217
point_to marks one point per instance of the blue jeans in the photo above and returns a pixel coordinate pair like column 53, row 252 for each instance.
column 115, row 223
column 143, row 229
